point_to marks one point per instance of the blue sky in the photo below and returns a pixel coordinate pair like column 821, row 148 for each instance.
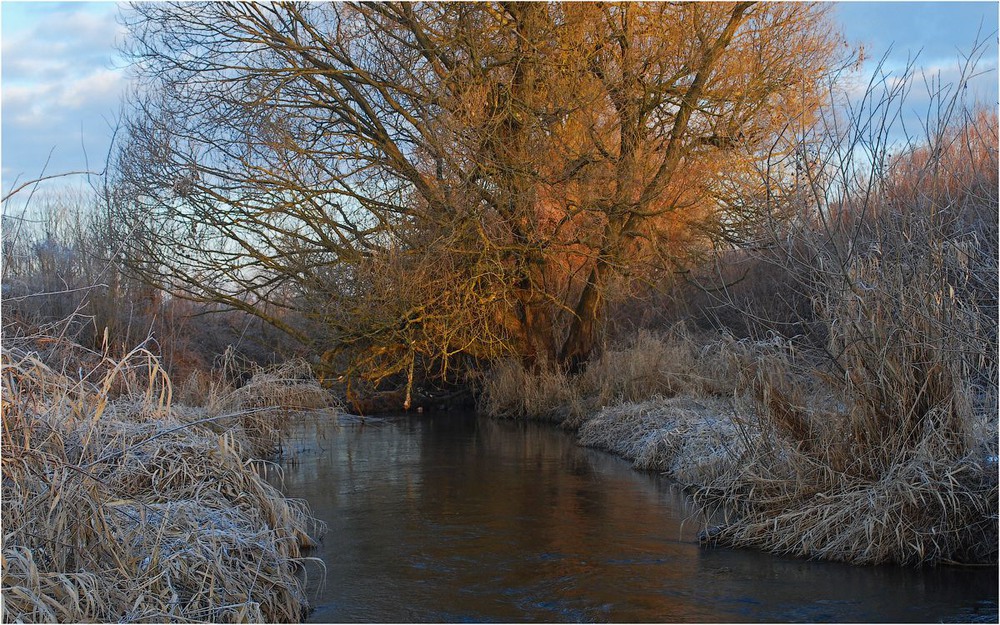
column 60, row 86
column 62, row 83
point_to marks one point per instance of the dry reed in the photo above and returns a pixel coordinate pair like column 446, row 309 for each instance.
column 511, row 390
column 260, row 407
column 659, row 364
column 649, row 365
column 891, row 461
column 887, row 453
column 119, row 507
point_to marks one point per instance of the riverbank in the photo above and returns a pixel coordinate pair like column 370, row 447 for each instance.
column 791, row 466
column 122, row 505
column 777, row 496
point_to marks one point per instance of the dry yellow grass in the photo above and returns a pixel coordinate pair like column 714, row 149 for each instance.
column 512, row 391
column 261, row 406
column 871, row 470
column 888, row 452
column 660, row 364
column 118, row 507
column 922, row 511
column 650, row 365
column 790, row 467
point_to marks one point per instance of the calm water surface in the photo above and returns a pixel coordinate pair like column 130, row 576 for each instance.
column 453, row 518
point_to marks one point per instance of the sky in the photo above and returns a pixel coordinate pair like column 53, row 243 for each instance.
column 62, row 82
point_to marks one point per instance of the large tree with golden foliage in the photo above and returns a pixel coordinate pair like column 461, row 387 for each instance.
column 428, row 180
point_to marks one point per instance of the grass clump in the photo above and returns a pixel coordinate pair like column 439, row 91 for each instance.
column 887, row 451
column 119, row 507
column 512, row 390
column 889, row 457
column 692, row 440
column 261, row 406
column 649, row 365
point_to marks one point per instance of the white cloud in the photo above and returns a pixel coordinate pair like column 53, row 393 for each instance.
column 25, row 105
column 43, row 104
column 79, row 29
column 94, row 88
column 61, row 81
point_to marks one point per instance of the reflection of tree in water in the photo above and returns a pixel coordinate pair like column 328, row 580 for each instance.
column 475, row 519
column 547, row 513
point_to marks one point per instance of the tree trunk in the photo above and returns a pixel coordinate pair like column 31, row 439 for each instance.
column 583, row 332
column 536, row 329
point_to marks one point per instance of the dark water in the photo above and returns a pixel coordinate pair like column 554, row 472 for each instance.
column 450, row 518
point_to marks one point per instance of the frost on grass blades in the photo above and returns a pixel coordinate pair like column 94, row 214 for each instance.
column 121, row 507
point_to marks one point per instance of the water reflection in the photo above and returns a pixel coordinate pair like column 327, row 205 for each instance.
column 451, row 518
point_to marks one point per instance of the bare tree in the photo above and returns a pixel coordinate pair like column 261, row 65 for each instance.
column 426, row 180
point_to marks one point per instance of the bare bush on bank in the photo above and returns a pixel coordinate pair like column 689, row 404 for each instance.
column 62, row 275
column 886, row 450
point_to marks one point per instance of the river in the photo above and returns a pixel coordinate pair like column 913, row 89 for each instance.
column 453, row 518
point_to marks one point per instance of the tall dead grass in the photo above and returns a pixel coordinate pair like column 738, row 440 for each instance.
column 511, row 390
column 887, row 452
column 651, row 364
column 889, row 456
column 260, row 407
column 121, row 507
column 670, row 363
